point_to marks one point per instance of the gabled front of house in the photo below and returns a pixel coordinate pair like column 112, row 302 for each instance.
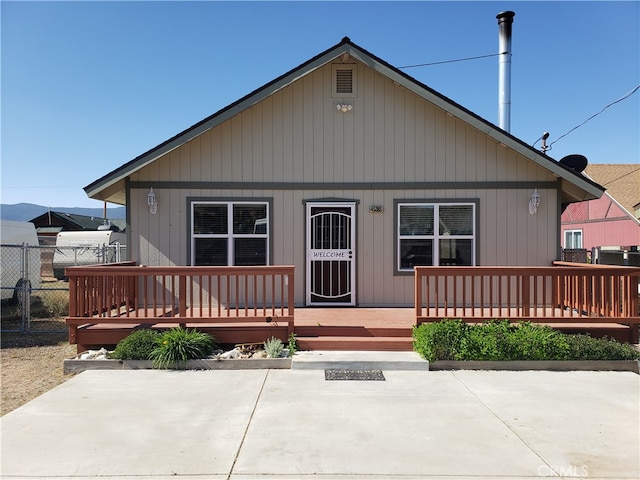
column 353, row 172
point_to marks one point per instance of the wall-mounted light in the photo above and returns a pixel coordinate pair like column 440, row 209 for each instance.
column 344, row 107
column 534, row 202
column 152, row 202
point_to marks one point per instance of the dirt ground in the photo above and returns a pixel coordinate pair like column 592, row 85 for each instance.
column 31, row 364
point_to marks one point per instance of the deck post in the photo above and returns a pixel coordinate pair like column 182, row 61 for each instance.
column 418, row 294
column 291, row 304
column 526, row 295
column 73, row 296
column 182, row 299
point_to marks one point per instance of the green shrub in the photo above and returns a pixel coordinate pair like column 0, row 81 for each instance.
column 273, row 347
column 483, row 342
column 176, row 346
column 439, row 340
column 526, row 341
column 136, row 346
column 502, row 340
column 584, row 347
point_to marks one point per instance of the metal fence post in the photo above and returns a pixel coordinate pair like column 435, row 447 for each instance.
column 27, row 286
column 23, row 291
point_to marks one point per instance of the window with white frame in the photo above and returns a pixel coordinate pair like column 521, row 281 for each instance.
column 432, row 234
column 229, row 233
column 573, row 239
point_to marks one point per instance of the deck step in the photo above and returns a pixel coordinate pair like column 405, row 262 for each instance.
column 374, row 344
column 351, row 331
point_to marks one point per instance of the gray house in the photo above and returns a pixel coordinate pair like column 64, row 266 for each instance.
column 352, row 171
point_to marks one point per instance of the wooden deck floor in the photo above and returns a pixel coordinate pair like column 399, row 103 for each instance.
column 370, row 317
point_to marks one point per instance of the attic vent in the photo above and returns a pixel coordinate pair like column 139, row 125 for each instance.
column 344, row 81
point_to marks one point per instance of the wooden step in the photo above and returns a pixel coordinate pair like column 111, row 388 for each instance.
column 336, row 343
column 350, row 331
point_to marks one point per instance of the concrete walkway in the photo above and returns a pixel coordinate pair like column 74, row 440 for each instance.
column 294, row 424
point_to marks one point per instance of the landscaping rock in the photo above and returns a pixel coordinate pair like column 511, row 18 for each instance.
column 94, row 355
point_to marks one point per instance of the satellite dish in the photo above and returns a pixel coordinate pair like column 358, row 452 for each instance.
column 575, row 162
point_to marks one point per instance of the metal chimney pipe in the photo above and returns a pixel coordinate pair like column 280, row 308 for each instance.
column 505, row 20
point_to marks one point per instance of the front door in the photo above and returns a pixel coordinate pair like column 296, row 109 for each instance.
column 331, row 254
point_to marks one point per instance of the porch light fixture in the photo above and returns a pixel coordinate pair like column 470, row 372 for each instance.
column 344, row 107
column 534, row 202
column 152, row 202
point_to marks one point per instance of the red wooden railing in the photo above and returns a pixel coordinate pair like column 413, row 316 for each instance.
column 564, row 292
column 601, row 290
column 125, row 293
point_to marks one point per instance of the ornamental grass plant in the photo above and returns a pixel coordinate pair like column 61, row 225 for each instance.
column 177, row 346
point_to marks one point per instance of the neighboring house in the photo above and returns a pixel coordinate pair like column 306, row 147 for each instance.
column 352, row 171
column 52, row 223
column 613, row 220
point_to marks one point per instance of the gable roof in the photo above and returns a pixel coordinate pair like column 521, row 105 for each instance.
column 622, row 182
column 111, row 188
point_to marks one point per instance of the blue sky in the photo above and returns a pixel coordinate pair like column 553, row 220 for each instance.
column 88, row 86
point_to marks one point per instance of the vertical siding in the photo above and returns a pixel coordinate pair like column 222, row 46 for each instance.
column 297, row 135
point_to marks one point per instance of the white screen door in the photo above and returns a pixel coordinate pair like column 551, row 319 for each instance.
column 331, row 254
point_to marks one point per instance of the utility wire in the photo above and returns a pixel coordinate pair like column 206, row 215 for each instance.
column 621, row 176
column 634, row 90
column 627, row 95
column 451, row 61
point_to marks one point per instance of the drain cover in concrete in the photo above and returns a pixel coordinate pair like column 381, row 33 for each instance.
column 346, row 374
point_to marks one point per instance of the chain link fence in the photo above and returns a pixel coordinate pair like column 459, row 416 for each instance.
column 33, row 288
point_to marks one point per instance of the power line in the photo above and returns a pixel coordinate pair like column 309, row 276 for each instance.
column 625, row 96
column 451, row 61
column 621, row 176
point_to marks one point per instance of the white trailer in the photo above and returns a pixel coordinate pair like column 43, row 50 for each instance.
column 20, row 265
column 87, row 248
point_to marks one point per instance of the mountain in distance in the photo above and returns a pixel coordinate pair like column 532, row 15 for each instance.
column 25, row 212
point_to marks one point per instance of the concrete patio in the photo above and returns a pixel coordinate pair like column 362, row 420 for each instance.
column 260, row 424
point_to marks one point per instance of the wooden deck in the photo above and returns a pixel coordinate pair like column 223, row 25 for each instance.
column 373, row 329
column 378, row 329
column 251, row 304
